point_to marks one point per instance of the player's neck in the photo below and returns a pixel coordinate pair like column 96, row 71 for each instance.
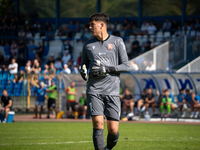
column 104, row 35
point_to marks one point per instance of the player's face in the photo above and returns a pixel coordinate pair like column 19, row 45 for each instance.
column 95, row 28
column 5, row 93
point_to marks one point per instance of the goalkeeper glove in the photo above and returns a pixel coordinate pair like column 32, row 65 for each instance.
column 83, row 72
column 101, row 70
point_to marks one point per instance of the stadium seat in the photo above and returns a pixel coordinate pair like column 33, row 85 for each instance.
column 46, row 51
column 58, row 71
column 78, row 35
column 159, row 34
column 167, row 34
column 22, row 68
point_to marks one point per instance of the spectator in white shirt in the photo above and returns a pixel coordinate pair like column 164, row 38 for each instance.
column 151, row 66
column 151, row 28
column 58, row 64
column 66, row 57
column 134, row 66
column 13, row 67
column 66, row 69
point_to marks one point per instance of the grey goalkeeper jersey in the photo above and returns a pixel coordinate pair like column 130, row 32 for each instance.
column 110, row 52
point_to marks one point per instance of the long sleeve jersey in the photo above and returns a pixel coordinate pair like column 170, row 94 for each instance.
column 110, row 52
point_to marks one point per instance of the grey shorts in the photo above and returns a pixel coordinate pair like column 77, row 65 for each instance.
column 107, row 105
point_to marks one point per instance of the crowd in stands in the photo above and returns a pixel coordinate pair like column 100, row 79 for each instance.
column 166, row 100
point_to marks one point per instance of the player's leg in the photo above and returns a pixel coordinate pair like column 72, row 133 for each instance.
column 49, row 107
column 68, row 107
column 162, row 108
column 192, row 109
column 84, row 112
column 124, row 104
column 53, row 105
column 112, row 112
column 36, row 109
column 168, row 107
column 75, row 110
column 6, row 113
column 95, row 109
column 147, row 108
column 140, row 104
column 41, row 111
column 131, row 104
column 113, row 133
column 197, row 106
column 154, row 105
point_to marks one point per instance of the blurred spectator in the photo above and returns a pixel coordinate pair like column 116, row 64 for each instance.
column 7, row 48
column 37, row 27
column 174, row 27
column 79, row 58
column 144, row 65
column 66, row 69
column 78, row 26
column 51, row 59
column 135, row 47
column 178, row 31
column 151, row 66
column 149, row 101
column 13, row 47
column 28, row 35
column 71, row 25
column 181, row 102
column 52, row 70
column 59, row 56
column 82, row 105
column 144, row 27
column 66, row 57
column 58, row 64
column 36, row 67
column 196, row 101
column 192, row 31
column 125, row 25
column 134, row 66
column 68, row 47
column 191, row 21
column 75, row 69
column 5, row 63
column 13, row 67
column 154, row 43
column 127, row 102
column 60, row 31
column 40, row 50
column 186, row 28
column 21, row 47
column 21, row 33
column 141, row 101
column 1, row 58
column 46, row 69
column 151, row 28
column 47, row 25
column 21, row 61
column 146, row 46
column 50, row 33
column 28, row 67
column 32, row 50
column 38, row 58
column 19, row 77
column 167, row 25
column 197, row 23
column 71, row 100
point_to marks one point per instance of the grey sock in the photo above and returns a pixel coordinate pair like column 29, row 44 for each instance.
column 112, row 140
column 98, row 139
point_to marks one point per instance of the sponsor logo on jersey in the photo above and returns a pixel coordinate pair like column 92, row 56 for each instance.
column 102, row 53
column 110, row 46
column 93, row 47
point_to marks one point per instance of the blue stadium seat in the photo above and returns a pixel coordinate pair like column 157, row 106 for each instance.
column 46, row 51
column 22, row 68
column 58, row 71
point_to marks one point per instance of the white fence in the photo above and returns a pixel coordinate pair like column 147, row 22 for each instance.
column 193, row 66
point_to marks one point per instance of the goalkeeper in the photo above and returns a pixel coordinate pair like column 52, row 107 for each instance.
column 105, row 56
column 167, row 101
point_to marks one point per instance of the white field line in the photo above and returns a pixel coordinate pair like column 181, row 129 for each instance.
column 128, row 140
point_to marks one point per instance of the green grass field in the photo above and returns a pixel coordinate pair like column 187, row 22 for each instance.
column 78, row 136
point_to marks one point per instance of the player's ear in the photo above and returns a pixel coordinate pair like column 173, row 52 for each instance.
column 102, row 25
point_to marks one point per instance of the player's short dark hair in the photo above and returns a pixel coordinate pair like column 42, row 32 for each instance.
column 187, row 90
column 181, row 90
column 100, row 17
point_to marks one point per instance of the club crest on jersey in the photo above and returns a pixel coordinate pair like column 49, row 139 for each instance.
column 110, row 46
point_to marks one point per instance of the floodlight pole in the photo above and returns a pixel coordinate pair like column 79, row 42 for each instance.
column 17, row 7
column 140, row 4
column 57, row 13
column 98, row 6
column 183, row 12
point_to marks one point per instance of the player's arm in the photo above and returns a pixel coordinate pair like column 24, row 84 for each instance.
column 123, row 65
column 84, row 64
column 9, row 104
column 152, row 100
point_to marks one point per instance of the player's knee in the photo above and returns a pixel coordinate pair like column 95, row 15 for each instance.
column 113, row 131
column 98, row 124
